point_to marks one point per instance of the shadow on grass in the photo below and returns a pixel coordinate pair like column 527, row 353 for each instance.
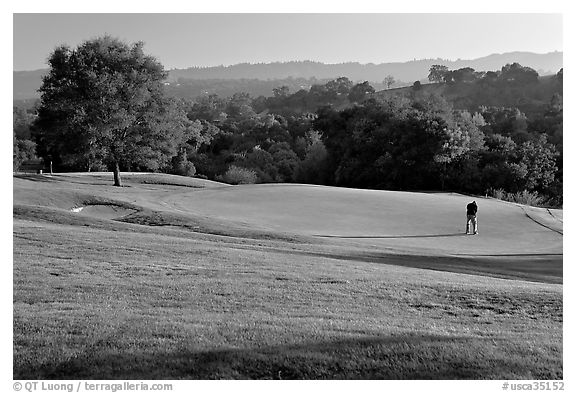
column 392, row 357
column 546, row 268
column 37, row 178
column 93, row 180
column 393, row 237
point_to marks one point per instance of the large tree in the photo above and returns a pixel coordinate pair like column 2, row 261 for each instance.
column 360, row 92
column 104, row 102
column 437, row 73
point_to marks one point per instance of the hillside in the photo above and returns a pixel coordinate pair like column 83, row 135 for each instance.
column 180, row 278
column 387, row 222
column 404, row 71
column 26, row 83
column 531, row 99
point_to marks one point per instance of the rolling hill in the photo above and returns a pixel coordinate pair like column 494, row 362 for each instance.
column 171, row 277
column 26, row 83
column 548, row 63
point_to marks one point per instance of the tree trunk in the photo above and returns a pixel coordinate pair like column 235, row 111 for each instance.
column 443, row 176
column 117, row 180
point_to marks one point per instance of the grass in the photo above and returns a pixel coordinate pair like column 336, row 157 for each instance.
column 106, row 299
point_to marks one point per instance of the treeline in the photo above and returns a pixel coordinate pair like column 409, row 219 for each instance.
column 194, row 88
column 512, row 86
column 343, row 134
column 303, row 69
column 415, row 145
column 405, row 71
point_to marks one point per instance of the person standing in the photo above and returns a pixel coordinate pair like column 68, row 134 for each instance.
column 471, row 211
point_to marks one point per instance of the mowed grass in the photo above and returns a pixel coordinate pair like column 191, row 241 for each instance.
column 101, row 299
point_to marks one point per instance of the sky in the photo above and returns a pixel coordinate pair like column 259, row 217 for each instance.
column 181, row 40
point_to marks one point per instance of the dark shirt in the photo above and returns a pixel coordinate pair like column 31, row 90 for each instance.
column 471, row 209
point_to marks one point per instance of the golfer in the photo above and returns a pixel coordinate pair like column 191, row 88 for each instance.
column 471, row 210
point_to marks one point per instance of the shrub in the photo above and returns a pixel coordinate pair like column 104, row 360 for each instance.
column 181, row 166
column 313, row 169
column 525, row 197
column 23, row 150
column 239, row 175
column 498, row 194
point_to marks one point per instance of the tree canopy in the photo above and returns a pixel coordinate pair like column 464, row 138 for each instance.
column 102, row 104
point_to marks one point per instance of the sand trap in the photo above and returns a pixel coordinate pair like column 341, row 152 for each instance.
column 103, row 211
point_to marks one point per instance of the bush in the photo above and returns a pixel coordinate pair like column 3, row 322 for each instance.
column 525, row 197
column 23, row 150
column 239, row 175
column 314, row 168
column 181, row 166
column 498, row 194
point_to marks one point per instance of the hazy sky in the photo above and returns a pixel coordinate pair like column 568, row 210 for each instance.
column 185, row 40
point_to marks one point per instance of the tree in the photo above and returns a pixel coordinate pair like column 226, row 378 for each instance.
column 104, row 100
column 538, row 157
column 518, row 75
column 560, row 75
column 23, row 150
column 465, row 74
column 282, row 91
column 286, row 161
column 437, row 73
column 240, row 114
column 339, row 86
column 261, row 163
column 389, row 81
column 180, row 164
column 387, row 145
column 22, row 120
column 313, row 169
column 360, row 92
column 209, row 108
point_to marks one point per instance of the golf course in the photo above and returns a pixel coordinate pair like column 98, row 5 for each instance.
column 173, row 277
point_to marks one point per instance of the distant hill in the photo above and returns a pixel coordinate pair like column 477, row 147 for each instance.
column 26, row 83
column 404, row 71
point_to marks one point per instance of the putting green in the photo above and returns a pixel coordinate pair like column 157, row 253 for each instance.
column 426, row 223
column 389, row 221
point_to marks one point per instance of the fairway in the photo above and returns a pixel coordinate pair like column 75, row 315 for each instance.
column 175, row 277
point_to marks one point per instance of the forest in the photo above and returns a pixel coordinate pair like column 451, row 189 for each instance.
column 493, row 133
